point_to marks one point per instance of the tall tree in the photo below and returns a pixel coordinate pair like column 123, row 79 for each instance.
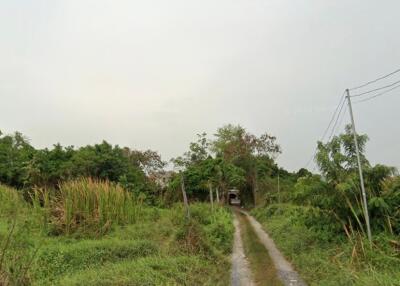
column 338, row 156
column 247, row 151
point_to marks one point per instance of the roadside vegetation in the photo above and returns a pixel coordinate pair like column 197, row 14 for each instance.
column 324, row 257
column 110, row 240
column 318, row 220
column 109, row 215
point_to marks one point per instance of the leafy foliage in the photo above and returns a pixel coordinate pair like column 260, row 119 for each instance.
column 234, row 159
column 309, row 238
column 23, row 166
column 136, row 252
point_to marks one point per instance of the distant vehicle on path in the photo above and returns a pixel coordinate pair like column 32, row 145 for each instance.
column 233, row 197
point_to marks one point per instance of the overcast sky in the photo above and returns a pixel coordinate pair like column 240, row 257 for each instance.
column 152, row 74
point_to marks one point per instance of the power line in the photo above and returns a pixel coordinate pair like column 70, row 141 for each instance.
column 337, row 120
column 335, row 126
column 341, row 120
column 377, row 95
column 376, row 89
column 339, row 116
column 340, row 105
column 375, row 80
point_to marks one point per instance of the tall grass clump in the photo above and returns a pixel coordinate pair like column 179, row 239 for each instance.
column 17, row 253
column 92, row 205
column 10, row 201
column 17, row 250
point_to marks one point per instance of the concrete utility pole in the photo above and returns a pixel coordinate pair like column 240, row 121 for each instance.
column 364, row 195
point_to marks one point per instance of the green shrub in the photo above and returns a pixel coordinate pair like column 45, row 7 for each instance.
column 311, row 218
column 322, row 259
column 217, row 226
column 220, row 231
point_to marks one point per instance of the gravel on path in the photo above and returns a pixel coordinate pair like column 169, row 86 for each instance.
column 241, row 274
column 286, row 273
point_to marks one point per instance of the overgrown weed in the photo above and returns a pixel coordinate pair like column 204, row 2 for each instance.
column 325, row 257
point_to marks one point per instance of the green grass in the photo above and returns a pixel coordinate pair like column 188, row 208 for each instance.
column 56, row 259
column 326, row 258
column 263, row 269
column 157, row 247
column 182, row 270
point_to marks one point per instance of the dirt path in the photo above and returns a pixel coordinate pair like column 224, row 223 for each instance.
column 241, row 275
column 285, row 271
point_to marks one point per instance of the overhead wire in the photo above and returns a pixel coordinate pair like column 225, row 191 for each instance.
column 375, row 80
column 377, row 95
column 341, row 120
column 376, row 89
column 337, row 120
column 339, row 106
column 338, row 117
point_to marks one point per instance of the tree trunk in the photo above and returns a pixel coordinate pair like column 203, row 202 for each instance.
column 255, row 189
column 211, row 197
column 185, row 200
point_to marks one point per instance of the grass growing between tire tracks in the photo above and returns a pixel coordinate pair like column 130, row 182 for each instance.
column 261, row 265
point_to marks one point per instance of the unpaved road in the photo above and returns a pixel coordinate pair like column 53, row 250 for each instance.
column 241, row 273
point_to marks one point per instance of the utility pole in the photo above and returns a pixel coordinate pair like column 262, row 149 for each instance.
column 364, row 195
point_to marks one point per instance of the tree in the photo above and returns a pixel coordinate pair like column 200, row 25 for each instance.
column 15, row 154
column 253, row 154
column 149, row 161
column 48, row 167
column 303, row 173
column 22, row 166
column 198, row 151
column 337, row 161
column 337, row 157
column 233, row 142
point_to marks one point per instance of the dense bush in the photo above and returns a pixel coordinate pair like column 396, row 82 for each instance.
column 325, row 258
column 315, row 219
column 210, row 231
column 343, row 198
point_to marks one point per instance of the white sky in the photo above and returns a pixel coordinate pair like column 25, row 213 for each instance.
column 152, row 74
